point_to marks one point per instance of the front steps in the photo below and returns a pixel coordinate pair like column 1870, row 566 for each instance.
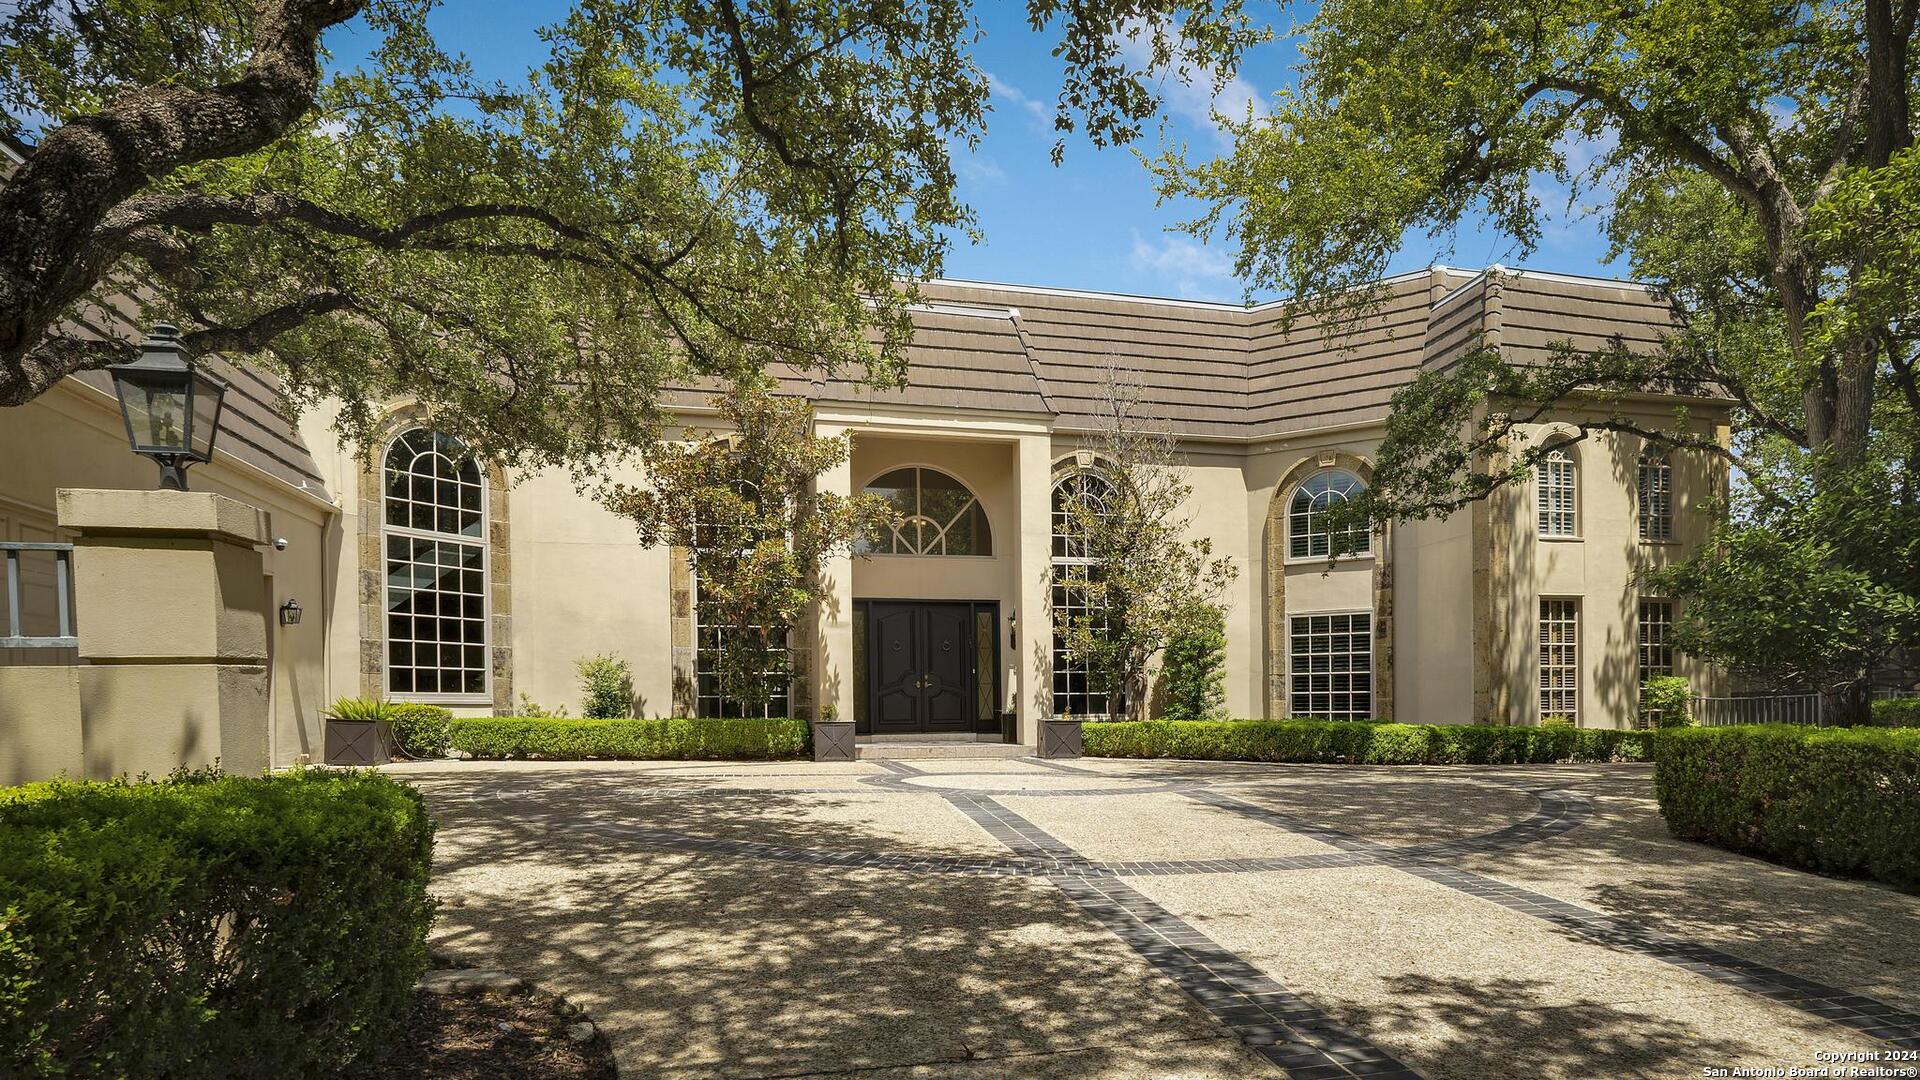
column 922, row 747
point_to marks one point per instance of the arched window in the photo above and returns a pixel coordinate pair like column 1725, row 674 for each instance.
column 1308, row 536
column 1072, row 565
column 436, row 561
column 939, row 516
column 1558, row 488
column 1654, row 486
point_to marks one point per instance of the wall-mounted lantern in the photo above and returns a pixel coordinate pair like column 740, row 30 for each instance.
column 171, row 407
column 290, row 613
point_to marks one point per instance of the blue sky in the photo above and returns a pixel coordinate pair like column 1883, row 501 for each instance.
column 1092, row 222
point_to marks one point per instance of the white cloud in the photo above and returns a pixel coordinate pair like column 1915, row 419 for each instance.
column 976, row 168
column 1193, row 97
column 1185, row 267
column 1003, row 90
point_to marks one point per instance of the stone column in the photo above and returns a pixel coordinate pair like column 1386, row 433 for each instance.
column 833, row 623
column 172, row 614
column 1033, row 563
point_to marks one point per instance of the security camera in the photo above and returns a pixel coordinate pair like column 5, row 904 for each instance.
column 279, row 543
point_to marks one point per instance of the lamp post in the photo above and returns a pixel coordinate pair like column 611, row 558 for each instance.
column 171, row 407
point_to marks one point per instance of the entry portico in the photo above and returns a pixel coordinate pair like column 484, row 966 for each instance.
column 940, row 609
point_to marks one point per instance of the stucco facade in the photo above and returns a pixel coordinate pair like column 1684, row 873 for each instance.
column 486, row 587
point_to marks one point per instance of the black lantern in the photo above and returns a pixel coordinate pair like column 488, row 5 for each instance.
column 172, row 408
column 290, row 613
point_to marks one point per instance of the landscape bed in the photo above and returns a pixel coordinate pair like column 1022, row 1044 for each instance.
column 1334, row 742
column 504, row 738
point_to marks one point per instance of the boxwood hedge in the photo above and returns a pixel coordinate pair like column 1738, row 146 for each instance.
column 1340, row 742
column 1837, row 800
column 209, row 926
column 552, row 739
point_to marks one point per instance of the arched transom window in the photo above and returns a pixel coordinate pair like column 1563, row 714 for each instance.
column 1073, row 692
column 1558, row 493
column 1308, row 535
column 434, row 533
column 939, row 516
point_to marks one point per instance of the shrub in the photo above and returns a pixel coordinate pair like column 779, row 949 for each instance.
column 421, row 730
column 1666, row 701
column 606, row 687
column 1193, row 671
column 209, row 926
column 530, row 707
column 1837, row 800
column 575, row 740
column 359, row 708
column 1354, row 742
column 1899, row 712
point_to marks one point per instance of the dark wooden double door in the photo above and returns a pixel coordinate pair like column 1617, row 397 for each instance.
column 931, row 667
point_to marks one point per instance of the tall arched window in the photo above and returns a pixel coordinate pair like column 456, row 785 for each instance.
column 1654, row 486
column 1072, row 565
column 939, row 516
column 1308, row 536
column 1557, row 484
column 434, row 532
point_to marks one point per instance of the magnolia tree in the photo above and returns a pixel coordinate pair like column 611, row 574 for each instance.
column 1143, row 581
column 1755, row 161
column 677, row 188
column 756, row 532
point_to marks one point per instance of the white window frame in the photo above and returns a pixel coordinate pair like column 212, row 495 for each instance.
column 1653, row 476
column 1559, row 680
column 485, row 696
column 1372, row 690
column 1557, row 493
column 1056, row 564
column 1316, row 510
column 1642, row 644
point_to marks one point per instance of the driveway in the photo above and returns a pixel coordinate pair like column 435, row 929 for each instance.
column 976, row 919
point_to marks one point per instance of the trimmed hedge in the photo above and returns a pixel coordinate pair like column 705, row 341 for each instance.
column 209, row 926
column 1836, row 800
column 1353, row 742
column 1897, row 713
column 421, row 730
column 552, row 739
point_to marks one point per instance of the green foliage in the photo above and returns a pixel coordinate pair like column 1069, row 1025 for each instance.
column 673, row 189
column 1193, row 672
column 209, row 926
column 1836, row 800
column 1345, row 742
column 1817, row 593
column 530, row 707
column 756, row 530
column 509, row 738
column 364, row 709
column 606, row 687
column 1667, row 701
column 1898, row 712
column 1772, row 196
column 421, row 730
column 1129, row 519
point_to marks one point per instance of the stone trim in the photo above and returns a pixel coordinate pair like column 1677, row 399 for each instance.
column 1493, row 599
column 1276, row 591
column 372, row 569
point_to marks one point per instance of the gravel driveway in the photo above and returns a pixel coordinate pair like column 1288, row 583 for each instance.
column 1155, row 919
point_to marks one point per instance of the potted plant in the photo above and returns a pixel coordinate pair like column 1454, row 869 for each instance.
column 832, row 736
column 359, row 732
column 1060, row 737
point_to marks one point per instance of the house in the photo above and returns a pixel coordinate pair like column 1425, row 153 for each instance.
column 429, row 576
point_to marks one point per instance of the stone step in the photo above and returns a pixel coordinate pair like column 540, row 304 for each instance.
column 928, row 737
column 901, row 751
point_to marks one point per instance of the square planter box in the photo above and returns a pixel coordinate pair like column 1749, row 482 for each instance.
column 833, row 740
column 357, row 742
column 1059, row 738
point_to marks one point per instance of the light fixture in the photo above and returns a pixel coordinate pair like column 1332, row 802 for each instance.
column 290, row 613
column 171, row 408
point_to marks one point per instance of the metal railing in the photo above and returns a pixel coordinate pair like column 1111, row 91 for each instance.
column 63, row 597
column 1768, row 709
